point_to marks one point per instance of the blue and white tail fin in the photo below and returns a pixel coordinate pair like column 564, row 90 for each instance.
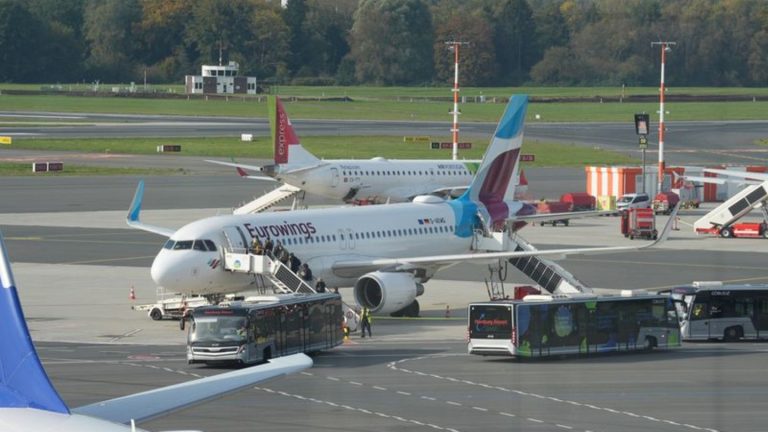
column 23, row 381
column 288, row 149
column 494, row 183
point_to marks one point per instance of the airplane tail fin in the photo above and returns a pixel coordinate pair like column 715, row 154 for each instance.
column 494, row 182
column 23, row 381
column 288, row 149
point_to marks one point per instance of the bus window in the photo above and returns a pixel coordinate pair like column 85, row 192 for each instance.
column 699, row 310
column 490, row 322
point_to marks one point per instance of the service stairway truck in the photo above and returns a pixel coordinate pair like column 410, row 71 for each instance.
column 723, row 219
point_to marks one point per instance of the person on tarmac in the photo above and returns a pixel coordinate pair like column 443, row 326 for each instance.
column 365, row 322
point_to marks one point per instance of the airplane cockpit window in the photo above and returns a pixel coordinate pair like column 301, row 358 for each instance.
column 183, row 245
column 199, row 246
column 211, row 245
column 169, row 244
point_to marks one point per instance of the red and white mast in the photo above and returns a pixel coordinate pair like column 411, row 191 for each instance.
column 665, row 46
column 454, row 45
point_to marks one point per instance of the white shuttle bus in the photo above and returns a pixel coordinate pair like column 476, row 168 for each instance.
column 711, row 310
column 546, row 325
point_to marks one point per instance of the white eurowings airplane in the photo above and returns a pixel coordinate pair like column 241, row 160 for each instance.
column 385, row 252
column 30, row 403
column 376, row 180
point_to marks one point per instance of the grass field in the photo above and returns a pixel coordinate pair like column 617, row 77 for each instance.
column 25, row 169
column 346, row 147
column 382, row 109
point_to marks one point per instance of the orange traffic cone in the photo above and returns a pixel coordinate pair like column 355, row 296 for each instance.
column 132, row 295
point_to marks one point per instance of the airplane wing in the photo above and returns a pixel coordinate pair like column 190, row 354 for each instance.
column 240, row 166
column 546, row 217
column 755, row 177
column 154, row 403
column 397, row 264
column 133, row 215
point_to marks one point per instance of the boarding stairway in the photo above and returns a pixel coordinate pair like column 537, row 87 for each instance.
column 270, row 199
column 736, row 207
column 278, row 274
column 546, row 273
column 282, row 279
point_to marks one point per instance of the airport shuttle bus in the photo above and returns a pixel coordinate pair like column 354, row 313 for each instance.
column 256, row 331
column 545, row 325
column 711, row 311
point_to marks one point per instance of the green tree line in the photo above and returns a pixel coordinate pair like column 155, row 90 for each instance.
column 388, row 42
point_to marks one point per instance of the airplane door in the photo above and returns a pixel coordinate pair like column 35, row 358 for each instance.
column 351, row 237
column 342, row 240
column 235, row 239
column 334, row 177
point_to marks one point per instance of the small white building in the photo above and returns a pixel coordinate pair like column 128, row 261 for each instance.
column 220, row 79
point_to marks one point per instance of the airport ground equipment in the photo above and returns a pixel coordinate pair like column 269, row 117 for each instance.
column 172, row 307
column 639, row 223
column 549, row 325
column 264, row 328
column 580, row 201
column 267, row 270
column 664, row 202
column 722, row 218
column 712, row 310
column 271, row 199
column 554, row 207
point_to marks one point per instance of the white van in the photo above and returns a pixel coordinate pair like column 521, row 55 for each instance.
column 633, row 200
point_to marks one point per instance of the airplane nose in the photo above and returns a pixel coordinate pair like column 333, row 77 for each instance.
column 165, row 272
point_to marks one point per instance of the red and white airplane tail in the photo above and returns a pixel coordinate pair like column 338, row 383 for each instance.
column 288, row 149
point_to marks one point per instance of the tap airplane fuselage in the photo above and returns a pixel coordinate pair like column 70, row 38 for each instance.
column 350, row 180
column 385, row 252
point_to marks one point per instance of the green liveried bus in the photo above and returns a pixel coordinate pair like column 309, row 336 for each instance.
column 545, row 325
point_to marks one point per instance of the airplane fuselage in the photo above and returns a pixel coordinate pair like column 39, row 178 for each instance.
column 379, row 179
column 321, row 238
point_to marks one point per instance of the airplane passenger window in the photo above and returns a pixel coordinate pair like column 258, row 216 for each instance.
column 183, row 245
column 169, row 244
column 333, row 236
column 211, row 245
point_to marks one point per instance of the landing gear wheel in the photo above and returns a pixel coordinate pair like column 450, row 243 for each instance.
column 411, row 311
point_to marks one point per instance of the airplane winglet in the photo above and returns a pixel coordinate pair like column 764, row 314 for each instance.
column 23, row 381
column 134, row 213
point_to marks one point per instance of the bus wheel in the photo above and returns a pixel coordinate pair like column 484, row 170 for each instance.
column 649, row 344
column 732, row 334
column 156, row 314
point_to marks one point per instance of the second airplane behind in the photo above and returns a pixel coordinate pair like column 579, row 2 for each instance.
column 376, row 180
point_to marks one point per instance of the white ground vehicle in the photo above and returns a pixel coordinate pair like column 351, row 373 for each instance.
column 711, row 310
column 633, row 200
column 172, row 307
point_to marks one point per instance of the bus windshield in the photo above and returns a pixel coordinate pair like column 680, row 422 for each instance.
column 490, row 322
column 218, row 328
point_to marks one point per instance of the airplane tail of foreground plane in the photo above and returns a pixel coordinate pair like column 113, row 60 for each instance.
column 29, row 402
column 288, row 149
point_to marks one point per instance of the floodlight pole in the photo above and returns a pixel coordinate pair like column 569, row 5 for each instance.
column 454, row 45
column 665, row 46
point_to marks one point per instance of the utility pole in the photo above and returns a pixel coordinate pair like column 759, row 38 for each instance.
column 665, row 46
column 454, row 45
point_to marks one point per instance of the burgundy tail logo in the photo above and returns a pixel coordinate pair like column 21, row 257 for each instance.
column 285, row 135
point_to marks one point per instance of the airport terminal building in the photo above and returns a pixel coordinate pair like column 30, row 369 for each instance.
column 220, row 79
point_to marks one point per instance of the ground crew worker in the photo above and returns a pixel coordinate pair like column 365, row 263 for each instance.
column 365, row 322
column 320, row 285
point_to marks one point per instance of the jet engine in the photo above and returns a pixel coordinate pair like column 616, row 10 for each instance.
column 388, row 292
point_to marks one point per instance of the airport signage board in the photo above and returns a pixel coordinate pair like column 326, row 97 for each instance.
column 416, row 139
column 527, row 158
column 449, row 145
